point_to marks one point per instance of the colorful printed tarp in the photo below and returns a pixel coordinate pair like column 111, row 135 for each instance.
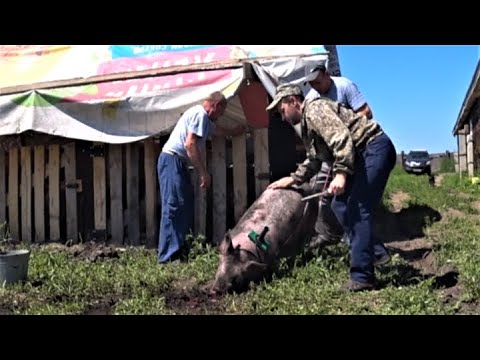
column 122, row 111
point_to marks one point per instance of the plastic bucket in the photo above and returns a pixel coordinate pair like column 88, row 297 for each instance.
column 13, row 266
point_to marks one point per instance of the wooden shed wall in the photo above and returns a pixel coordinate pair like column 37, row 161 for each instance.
column 81, row 191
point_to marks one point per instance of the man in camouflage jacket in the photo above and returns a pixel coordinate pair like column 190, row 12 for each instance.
column 362, row 157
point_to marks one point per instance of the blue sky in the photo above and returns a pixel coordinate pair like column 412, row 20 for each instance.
column 415, row 92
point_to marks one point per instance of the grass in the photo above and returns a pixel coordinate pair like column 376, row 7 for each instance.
column 447, row 165
column 134, row 283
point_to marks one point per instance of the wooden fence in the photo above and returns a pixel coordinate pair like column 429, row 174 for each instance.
column 81, row 191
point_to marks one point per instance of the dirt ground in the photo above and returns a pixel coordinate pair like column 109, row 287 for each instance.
column 407, row 240
column 90, row 251
column 185, row 298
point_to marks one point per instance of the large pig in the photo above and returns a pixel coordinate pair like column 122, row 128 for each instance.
column 275, row 226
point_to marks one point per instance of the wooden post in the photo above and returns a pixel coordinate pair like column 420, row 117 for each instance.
column 219, row 188
column 200, row 195
column 133, row 205
column 39, row 192
column 262, row 169
column 151, row 194
column 3, row 189
column 54, row 191
column 26, row 192
column 239, row 159
column 14, row 224
column 333, row 60
column 99, row 196
column 116, row 196
column 470, row 155
column 71, row 191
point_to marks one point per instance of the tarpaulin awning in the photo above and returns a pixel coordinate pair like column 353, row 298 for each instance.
column 126, row 93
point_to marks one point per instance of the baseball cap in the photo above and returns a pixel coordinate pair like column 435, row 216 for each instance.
column 311, row 73
column 282, row 91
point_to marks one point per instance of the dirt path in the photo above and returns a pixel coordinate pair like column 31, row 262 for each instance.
column 438, row 179
column 409, row 243
column 398, row 200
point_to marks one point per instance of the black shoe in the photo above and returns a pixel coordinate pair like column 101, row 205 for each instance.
column 180, row 256
column 382, row 260
column 321, row 241
column 355, row 286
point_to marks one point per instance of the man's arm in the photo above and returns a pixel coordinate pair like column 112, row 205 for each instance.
column 195, row 155
column 356, row 100
column 306, row 170
column 323, row 119
column 365, row 110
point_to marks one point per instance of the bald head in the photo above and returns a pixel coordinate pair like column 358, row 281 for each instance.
column 216, row 97
column 215, row 104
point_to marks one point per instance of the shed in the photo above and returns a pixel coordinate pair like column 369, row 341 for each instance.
column 467, row 128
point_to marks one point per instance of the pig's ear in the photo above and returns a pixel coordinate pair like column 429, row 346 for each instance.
column 254, row 267
column 226, row 245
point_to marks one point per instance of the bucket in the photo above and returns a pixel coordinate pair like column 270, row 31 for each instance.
column 13, row 266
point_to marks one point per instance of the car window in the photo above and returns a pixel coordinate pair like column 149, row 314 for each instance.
column 418, row 155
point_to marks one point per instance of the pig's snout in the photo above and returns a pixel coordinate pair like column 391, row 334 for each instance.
column 214, row 292
column 219, row 289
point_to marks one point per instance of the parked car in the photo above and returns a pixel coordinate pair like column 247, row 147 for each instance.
column 418, row 162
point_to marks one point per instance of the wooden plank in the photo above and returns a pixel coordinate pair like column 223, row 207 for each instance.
column 200, row 206
column 26, row 193
column 133, row 203
column 219, row 188
column 3, row 189
column 39, row 192
column 13, row 219
column 71, row 191
column 239, row 159
column 99, row 195
column 262, row 168
column 151, row 193
column 54, row 191
column 116, row 196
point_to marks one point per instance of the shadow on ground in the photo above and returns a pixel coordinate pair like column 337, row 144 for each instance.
column 407, row 224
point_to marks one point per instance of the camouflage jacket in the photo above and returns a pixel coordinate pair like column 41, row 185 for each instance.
column 332, row 133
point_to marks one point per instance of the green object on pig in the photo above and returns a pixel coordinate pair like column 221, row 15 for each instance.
column 259, row 239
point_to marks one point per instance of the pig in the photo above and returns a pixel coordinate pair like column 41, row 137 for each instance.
column 280, row 222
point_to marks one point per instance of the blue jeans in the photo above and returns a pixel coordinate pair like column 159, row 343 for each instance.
column 327, row 224
column 176, row 192
column 355, row 207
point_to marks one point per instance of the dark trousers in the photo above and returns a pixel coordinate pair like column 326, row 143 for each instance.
column 355, row 207
column 327, row 227
column 176, row 192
